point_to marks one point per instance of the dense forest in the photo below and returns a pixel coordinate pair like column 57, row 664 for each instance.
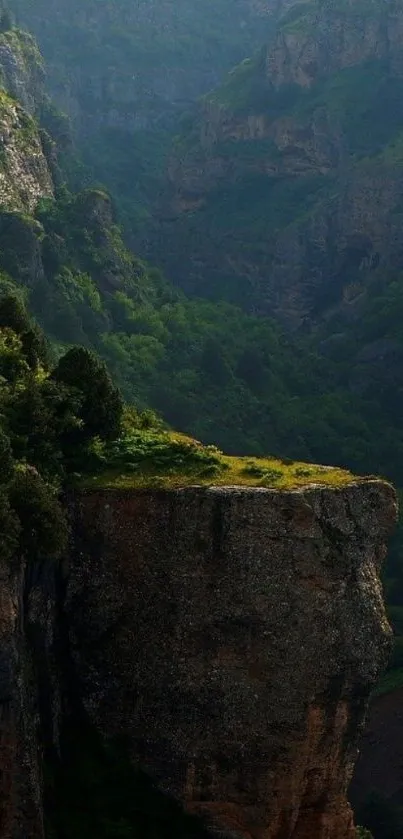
column 217, row 260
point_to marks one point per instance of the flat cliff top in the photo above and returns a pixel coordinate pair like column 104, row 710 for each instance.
column 168, row 460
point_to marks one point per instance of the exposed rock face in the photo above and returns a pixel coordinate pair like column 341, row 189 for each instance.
column 21, row 69
column 24, row 173
column 283, row 169
column 29, row 695
column 26, row 159
column 321, row 38
column 233, row 635
column 25, row 176
column 159, row 55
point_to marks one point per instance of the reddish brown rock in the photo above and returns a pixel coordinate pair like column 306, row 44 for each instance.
column 233, row 635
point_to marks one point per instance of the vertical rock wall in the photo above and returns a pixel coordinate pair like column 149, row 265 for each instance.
column 233, row 635
column 29, row 694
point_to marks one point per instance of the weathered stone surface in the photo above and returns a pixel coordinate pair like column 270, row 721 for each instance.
column 21, row 69
column 24, row 173
column 29, row 695
column 234, row 635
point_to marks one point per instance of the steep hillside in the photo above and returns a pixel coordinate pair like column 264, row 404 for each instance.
column 126, row 64
column 291, row 173
column 124, row 71
column 25, row 151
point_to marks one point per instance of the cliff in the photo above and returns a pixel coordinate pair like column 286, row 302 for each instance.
column 159, row 56
column 25, row 158
column 286, row 153
column 232, row 636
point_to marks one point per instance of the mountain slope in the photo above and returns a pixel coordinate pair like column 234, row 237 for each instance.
column 124, row 71
column 299, row 156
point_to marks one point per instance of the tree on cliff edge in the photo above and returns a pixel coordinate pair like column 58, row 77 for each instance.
column 101, row 402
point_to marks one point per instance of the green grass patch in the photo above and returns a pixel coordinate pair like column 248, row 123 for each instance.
column 157, row 457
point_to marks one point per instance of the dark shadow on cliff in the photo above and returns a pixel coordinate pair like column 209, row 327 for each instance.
column 94, row 792
column 92, row 788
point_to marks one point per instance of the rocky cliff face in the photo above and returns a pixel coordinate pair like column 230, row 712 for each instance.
column 25, row 159
column 292, row 171
column 233, row 636
column 130, row 65
column 21, row 69
column 29, row 694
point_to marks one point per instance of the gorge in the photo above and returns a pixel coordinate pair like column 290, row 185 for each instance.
column 215, row 620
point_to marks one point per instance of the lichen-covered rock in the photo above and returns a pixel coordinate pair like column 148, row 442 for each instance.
column 24, row 173
column 233, row 636
column 21, row 69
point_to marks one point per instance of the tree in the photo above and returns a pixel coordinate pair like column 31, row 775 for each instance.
column 14, row 316
column 101, row 406
column 43, row 525
column 6, row 459
column 9, row 529
column 41, row 415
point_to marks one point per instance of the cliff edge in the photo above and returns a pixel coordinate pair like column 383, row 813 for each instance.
column 230, row 635
column 233, row 635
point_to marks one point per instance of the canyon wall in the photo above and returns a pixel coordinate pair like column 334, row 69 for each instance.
column 233, row 635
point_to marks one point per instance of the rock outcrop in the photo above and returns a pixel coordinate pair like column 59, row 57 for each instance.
column 160, row 56
column 24, row 172
column 288, row 184
column 22, row 71
column 233, row 636
column 25, row 160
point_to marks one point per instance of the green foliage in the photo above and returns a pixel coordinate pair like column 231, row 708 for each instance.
column 43, row 523
column 14, row 317
column 267, row 476
column 39, row 414
column 155, row 452
column 363, row 833
column 10, row 528
column 101, row 404
column 6, row 459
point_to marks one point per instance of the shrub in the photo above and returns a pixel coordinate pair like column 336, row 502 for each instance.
column 101, row 404
column 267, row 475
column 156, row 452
column 363, row 833
column 9, row 529
column 43, row 531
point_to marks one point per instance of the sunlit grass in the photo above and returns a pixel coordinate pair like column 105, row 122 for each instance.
column 173, row 460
